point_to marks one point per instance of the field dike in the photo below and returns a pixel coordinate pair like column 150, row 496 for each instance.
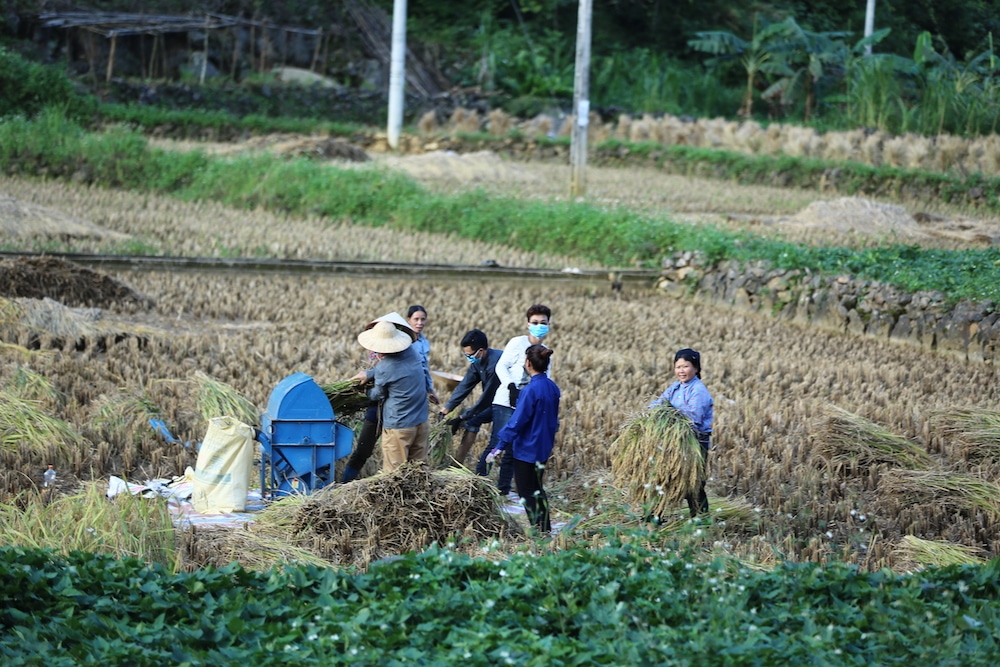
column 844, row 304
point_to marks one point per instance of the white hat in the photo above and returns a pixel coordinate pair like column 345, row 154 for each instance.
column 397, row 320
column 384, row 338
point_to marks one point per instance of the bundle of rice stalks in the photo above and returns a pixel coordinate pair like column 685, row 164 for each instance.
column 845, row 436
column 738, row 511
column 218, row 399
column 394, row 512
column 976, row 430
column 258, row 546
column 347, row 397
column 123, row 418
column 23, row 424
column 52, row 317
column 945, row 488
column 928, row 553
column 131, row 526
column 440, row 440
column 33, row 386
column 657, row 459
column 247, row 546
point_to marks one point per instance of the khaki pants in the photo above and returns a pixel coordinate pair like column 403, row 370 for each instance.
column 400, row 445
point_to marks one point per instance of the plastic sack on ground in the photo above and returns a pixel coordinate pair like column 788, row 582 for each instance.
column 222, row 472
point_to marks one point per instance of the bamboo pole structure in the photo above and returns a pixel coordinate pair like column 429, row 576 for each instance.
column 204, row 56
column 111, row 58
column 152, row 56
column 319, row 42
column 90, row 55
column 236, row 53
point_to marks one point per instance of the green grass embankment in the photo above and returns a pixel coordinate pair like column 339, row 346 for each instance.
column 54, row 147
column 850, row 178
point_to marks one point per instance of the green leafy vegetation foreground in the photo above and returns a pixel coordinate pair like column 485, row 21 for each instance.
column 56, row 147
column 620, row 604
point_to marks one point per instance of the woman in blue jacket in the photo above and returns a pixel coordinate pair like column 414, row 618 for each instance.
column 531, row 434
column 692, row 399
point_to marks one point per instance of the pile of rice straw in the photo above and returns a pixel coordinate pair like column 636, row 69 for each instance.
column 945, row 489
column 975, row 430
column 358, row 523
column 846, row 437
column 394, row 512
column 66, row 282
column 929, row 553
column 657, row 459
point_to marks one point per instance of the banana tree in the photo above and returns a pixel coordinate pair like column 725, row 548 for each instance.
column 803, row 58
column 758, row 55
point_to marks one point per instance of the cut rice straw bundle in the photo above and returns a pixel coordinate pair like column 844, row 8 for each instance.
column 24, row 424
column 440, row 440
column 218, row 399
column 955, row 489
column 124, row 417
column 346, row 397
column 657, row 459
column 848, row 437
column 976, row 430
column 33, row 386
column 928, row 553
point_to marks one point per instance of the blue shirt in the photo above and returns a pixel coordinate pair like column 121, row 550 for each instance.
column 531, row 431
column 423, row 346
column 692, row 400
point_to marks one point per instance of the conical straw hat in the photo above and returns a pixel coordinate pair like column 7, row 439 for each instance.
column 384, row 338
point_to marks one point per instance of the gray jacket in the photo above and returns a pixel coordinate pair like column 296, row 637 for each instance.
column 399, row 381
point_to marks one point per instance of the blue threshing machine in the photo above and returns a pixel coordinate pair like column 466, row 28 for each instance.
column 300, row 438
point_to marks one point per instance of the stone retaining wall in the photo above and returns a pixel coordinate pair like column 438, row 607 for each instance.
column 967, row 330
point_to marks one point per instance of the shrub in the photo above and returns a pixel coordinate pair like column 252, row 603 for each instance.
column 29, row 87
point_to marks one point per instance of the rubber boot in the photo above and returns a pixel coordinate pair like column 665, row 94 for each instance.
column 350, row 474
column 468, row 438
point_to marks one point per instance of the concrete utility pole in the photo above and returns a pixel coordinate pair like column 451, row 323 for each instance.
column 869, row 23
column 581, row 102
column 397, row 72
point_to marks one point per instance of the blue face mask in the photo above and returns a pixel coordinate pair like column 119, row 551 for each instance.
column 538, row 330
column 471, row 358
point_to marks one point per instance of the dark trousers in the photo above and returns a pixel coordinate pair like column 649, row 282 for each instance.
column 370, row 431
column 501, row 415
column 528, row 477
column 698, row 502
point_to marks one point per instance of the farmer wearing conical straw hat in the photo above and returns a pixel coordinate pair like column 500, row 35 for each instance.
column 691, row 398
column 371, row 425
column 400, row 384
